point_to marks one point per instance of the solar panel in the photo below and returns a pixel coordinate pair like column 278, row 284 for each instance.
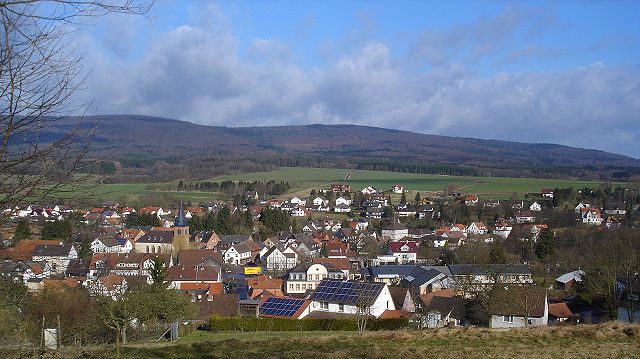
column 283, row 307
column 346, row 292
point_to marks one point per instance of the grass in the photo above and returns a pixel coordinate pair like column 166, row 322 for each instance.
column 611, row 340
column 304, row 179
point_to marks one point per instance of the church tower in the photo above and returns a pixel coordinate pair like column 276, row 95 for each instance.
column 180, row 231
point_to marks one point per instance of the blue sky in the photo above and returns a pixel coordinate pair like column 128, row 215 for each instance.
column 563, row 72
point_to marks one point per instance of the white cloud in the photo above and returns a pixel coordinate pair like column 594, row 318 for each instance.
column 194, row 74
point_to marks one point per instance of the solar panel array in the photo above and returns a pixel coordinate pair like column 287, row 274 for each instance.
column 355, row 293
column 281, row 307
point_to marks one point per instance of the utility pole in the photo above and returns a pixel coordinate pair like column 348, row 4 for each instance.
column 58, row 333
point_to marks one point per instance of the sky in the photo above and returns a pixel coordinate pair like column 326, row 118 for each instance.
column 565, row 72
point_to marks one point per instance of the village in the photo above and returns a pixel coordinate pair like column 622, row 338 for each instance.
column 435, row 260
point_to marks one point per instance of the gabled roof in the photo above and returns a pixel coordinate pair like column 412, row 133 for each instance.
column 421, row 276
column 397, row 247
column 199, row 256
column 354, row 293
column 466, row 269
column 575, row 275
column 52, row 251
column 560, row 310
column 155, row 236
column 192, row 273
column 445, row 305
column 282, row 307
column 339, row 263
column 519, row 301
column 23, row 250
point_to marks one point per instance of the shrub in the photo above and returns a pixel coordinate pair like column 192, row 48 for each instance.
column 251, row 324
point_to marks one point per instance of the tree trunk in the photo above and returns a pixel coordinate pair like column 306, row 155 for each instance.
column 118, row 342
column 124, row 334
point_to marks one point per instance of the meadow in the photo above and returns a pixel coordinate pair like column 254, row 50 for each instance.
column 302, row 180
column 610, row 340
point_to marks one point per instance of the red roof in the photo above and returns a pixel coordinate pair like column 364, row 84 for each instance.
column 397, row 247
column 560, row 310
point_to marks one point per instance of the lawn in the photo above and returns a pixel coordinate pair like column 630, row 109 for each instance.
column 611, row 340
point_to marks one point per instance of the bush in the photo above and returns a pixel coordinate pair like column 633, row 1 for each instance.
column 253, row 324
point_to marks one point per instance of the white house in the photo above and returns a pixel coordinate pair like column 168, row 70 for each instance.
column 309, row 275
column 397, row 189
column 320, row 201
column 535, row 207
column 477, row 228
column 404, row 251
column 369, row 190
column 356, row 298
column 57, row 256
column 503, row 229
column 591, row 215
column 342, row 208
column 276, row 259
column 237, row 254
column 106, row 245
column 519, row 307
column 343, row 201
column 298, row 201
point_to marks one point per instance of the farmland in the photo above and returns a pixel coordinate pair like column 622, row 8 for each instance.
column 302, row 180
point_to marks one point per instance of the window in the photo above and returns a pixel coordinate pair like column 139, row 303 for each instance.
column 297, row 286
column 507, row 319
column 341, row 307
column 324, row 305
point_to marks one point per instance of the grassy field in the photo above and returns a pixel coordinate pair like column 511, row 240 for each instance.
column 612, row 340
column 304, row 179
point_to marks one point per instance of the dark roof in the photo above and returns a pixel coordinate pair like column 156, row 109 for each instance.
column 281, row 307
column 400, row 270
column 444, row 305
column 420, row 276
column 398, row 294
column 157, row 237
column 78, row 267
column 200, row 256
column 52, row 250
column 354, row 293
column 224, row 305
column 477, row 269
column 519, row 301
column 181, row 220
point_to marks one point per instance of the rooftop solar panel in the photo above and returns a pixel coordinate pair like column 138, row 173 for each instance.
column 282, row 307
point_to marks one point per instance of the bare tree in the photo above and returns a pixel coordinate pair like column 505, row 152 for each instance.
column 40, row 70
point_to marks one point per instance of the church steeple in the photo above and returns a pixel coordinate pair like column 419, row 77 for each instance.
column 181, row 220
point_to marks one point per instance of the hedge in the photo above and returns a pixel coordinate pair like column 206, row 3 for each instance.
column 254, row 324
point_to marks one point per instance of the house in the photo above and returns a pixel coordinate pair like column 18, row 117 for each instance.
column 320, row 201
column 398, row 189
column 342, row 208
column 403, row 299
column 206, row 257
column 535, row 207
column 503, row 229
column 404, row 251
column 283, row 307
column 343, row 264
column 373, row 212
column 471, row 277
column 591, row 216
column 112, row 285
column 178, row 275
column 354, row 298
column 525, row 217
column 568, row 280
column 369, row 190
column 242, row 253
column 442, row 312
column 423, row 280
column 298, row 201
column 519, row 306
column 547, row 192
column 477, row 228
column 559, row 312
column 264, row 286
column 23, row 250
column 343, row 201
column 307, row 276
column 125, row 264
column 395, row 231
column 581, row 206
column 406, row 210
column 340, row 187
column 471, row 200
column 612, row 222
column 629, row 304
column 106, row 245
column 57, row 256
column 279, row 260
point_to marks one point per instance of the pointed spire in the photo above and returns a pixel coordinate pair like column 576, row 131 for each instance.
column 181, row 221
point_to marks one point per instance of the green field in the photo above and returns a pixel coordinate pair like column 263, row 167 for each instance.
column 304, row 179
column 611, row 340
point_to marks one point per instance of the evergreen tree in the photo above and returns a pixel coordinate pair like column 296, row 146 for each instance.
column 23, row 231
column 417, row 198
column 158, row 273
column 544, row 245
column 403, row 198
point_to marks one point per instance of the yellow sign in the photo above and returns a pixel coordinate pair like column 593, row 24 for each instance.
column 252, row 270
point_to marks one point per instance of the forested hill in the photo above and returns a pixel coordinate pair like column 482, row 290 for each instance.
column 131, row 136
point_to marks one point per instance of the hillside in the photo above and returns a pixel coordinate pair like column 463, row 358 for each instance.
column 131, row 136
